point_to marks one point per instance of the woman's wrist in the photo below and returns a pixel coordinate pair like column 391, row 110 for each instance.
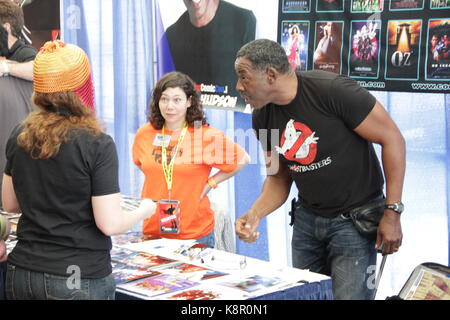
column 212, row 183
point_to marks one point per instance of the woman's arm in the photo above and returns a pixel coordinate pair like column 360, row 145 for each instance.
column 9, row 200
column 111, row 219
column 222, row 175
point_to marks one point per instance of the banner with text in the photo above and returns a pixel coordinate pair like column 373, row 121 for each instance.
column 388, row 45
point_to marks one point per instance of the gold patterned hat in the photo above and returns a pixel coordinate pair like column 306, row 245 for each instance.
column 60, row 67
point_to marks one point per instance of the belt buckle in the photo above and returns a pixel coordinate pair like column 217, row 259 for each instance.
column 345, row 215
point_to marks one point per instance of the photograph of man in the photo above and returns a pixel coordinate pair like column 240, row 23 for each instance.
column 203, row 43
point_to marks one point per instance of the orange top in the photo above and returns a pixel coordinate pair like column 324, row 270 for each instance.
column 201, row 150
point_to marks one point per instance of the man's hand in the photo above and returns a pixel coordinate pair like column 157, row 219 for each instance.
column 389, row 232
column 246, row 226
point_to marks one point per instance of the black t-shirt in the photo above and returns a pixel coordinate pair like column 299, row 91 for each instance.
column 333, row 167
column 207, row 54
column 57, row 228
column 15, row 97
column 21, row 52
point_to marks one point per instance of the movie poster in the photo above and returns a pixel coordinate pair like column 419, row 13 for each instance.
column 403, row 50
column 386, row 45
column 296, row 5
column 42, row 21
column 364, row 56
column 406, row 4
column 367, row 5
column 330, row 5
column 328, row 46
column 439, row 4
column 205, row 48
column 438, row 50
column 294, row 40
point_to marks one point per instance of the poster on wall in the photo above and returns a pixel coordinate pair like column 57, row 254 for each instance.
column 328, row 46
column 403, row 49
column 388, row 45
column 364, row 56
column 42, row 21
column 294, row 40
column 205, row 48
column 438, row 50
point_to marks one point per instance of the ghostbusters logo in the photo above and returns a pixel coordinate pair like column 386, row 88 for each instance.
column 298, row 143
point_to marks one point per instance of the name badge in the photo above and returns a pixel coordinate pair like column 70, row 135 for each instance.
column 159, row 139
column 169, row 216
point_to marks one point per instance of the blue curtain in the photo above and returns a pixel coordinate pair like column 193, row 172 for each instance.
column 238, row 198
column 117, row 36
column 237, row 126
column 133, row 75
column 250, row 176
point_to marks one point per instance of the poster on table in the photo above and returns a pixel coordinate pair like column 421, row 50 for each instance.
column 388, row 45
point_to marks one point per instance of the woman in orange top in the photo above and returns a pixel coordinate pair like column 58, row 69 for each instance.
column 176, row 151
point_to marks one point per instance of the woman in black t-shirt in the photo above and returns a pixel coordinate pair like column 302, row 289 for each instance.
column 62, row 174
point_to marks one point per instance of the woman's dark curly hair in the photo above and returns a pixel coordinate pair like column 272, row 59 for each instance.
column 194, row 114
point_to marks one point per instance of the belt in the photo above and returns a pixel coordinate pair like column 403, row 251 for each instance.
column 366, row 205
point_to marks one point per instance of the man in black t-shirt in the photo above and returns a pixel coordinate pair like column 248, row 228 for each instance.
column 203, row 43
column 318, row 127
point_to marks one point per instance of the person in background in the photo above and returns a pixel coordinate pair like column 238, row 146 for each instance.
column 326, row 124
column 176, row 150
column 19, row 56
column 16, row 74
column 62, row 175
